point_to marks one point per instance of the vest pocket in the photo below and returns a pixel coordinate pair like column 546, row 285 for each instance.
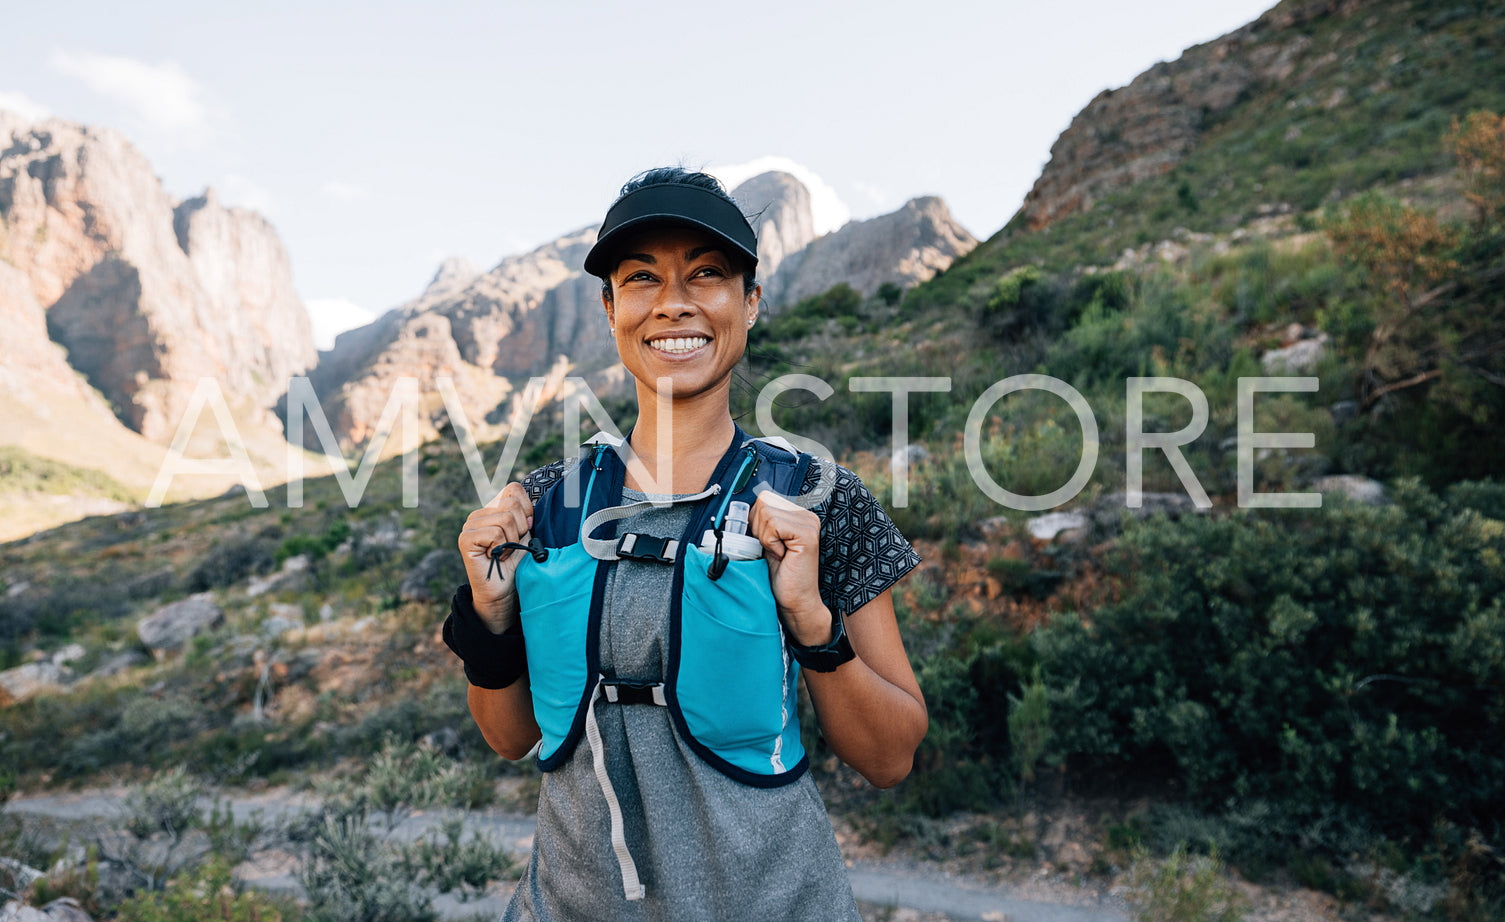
column 555, row 599
column 732, row 671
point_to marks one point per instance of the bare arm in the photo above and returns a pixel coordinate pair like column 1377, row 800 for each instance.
column 870, row 709
column 504, row 715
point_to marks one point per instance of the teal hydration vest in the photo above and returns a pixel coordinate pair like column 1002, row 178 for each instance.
column 729, row 683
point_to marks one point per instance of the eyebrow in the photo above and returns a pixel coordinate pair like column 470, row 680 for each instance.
column 693, row 253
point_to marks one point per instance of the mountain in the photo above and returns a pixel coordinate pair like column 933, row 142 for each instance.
column 115, row 299
column 779, row 206
column 1309, row 103
column 146, row 294
column 903, row 247
column 512, row 322
column 539, row 315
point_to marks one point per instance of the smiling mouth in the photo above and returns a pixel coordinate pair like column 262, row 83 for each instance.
column 679, row 345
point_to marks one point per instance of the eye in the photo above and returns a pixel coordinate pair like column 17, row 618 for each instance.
column 639, row 275
column 712, row 270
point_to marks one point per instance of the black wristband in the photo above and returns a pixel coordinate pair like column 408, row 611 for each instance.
column 827, row 656
column 491, row 660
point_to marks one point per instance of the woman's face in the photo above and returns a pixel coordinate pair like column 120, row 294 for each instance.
column 679, row 310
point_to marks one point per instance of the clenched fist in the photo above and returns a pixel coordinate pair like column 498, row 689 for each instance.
column 508, row 517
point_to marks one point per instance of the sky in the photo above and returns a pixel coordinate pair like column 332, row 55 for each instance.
column 380, row 138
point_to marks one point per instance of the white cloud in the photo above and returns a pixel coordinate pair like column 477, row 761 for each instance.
column 162, row 94
column 333, row 316
column 237, row 189
column 23, row 105
column 344, row 191
column 828, row 212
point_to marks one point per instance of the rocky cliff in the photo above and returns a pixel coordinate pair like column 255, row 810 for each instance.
column 1142, row 130
column 145, row 294
column 903, row 247
column 779, row 207
column 539, row 315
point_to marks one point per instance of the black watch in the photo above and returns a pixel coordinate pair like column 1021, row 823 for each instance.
column 827, row 656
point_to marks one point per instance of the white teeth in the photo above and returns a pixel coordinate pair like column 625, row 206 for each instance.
column 679, row 344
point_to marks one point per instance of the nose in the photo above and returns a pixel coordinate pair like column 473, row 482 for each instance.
column 674, row 300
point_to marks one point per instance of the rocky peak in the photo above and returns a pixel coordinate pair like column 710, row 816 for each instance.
column 779, row 206
column 905, row 247
column 1142, row 130
column 146, row 294
column 453, row 274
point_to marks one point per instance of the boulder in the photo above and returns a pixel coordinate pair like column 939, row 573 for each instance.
column 33, row 679
column 1356, row 488
column 416, row 585
column 168, row 629
column 284, row 617
column 1110, row 506
column 1060, row 527
column 71, row 653
column 120, row 662
column 64, row 909
column 1298, row 358
column 293, row 576
column 997, row 528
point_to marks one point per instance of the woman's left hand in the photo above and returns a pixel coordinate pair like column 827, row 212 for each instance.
column 790, row 536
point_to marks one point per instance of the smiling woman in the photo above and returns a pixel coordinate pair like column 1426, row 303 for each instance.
column 659, row 597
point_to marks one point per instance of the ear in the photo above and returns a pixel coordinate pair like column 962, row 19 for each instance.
column 611, row 308
column 753, row 300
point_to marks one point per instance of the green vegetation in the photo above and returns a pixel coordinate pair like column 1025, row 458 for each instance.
column 1312, row 696
column 22, row 471
column 1183, row 888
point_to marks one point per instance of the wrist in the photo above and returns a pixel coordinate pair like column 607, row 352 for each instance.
column 810, row 627
column 828, row 656
column 500, row 616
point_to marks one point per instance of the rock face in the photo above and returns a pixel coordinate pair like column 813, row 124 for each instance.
column 514, row 321
column 779, row 207
column 1144, row 129
column 145, row 294
column 538, row 314
column 168, row 629
column 904, row 247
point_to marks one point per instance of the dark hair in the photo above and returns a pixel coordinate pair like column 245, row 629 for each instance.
column 675, row 175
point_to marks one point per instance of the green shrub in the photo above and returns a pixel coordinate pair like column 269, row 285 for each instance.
column 1332, row 659
column 1183, row 888
column 209, row 894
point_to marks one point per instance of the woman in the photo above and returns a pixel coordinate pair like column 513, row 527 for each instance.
column 674, row 661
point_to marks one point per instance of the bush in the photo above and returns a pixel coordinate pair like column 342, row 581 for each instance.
column 230, row 563
column 1333, row 659
column 1183, row 888
column 209, row 894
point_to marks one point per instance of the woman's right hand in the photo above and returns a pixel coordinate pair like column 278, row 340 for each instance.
column 508, row 517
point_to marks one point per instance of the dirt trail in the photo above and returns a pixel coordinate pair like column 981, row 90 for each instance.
column 878, row 883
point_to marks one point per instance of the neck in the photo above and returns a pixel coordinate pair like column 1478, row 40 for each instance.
column 679, row 441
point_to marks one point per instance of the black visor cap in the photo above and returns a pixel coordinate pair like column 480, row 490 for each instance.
column 672, row 203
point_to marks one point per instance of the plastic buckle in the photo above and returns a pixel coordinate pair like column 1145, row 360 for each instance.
column 634, row 693
column 647, row 547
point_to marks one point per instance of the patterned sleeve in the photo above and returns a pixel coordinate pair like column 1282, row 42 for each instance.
column 862, row 551
column 537, row 481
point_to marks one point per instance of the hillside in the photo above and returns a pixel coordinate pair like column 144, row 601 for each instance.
column 1303, row 699
column 1310, row 103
